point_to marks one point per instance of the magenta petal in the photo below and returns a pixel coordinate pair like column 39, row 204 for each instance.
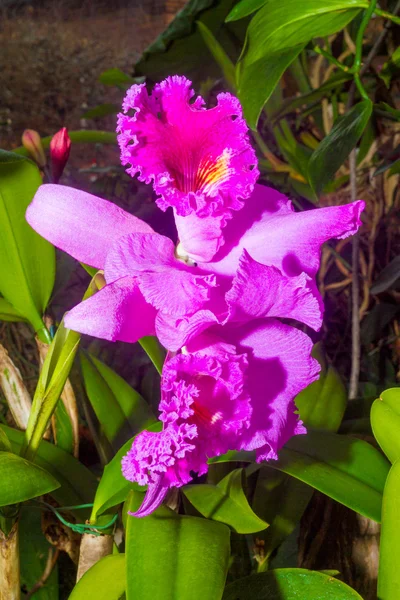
column 154, row 497
column 174, row 332
column 198, row 160
column 273, row 234
column 165, row 282
column 262, row 291
column 79, row 223
column 117, row 312
column 200, row 237
column 280, row 366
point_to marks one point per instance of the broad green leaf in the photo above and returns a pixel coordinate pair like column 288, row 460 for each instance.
column 113, row 487
column 278, row 26
column 288, row 584
column 226, row 502
column 181, row 49
column 257, row 81
column 77, row 484
column 336, row 147
column 116, row 77
column 27, row 261
column 385, row 422
column 244, row 8
column 172, row 556
column 22, row 480
column 8, row 312
column 102, row 110
column 34, row 553
column 389, row 555
column 322, row 404
column 106, row 580
column 135, row 409
column 104, row 403
column 346, row 469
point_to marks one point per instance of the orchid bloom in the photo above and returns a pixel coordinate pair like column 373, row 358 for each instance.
column 245, row 260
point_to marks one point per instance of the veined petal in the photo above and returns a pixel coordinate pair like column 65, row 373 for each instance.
column 165, row 282
column 118, row 312
column 263, row 291
column 280, row 366
column 200, row 161
column 273, row 234
column 79, row 223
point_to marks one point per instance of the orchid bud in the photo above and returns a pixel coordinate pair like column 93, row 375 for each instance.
column 33, row 144
column 60, row 147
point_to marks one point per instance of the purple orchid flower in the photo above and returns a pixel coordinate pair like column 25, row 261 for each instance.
column 231, row 388
column 245, row 259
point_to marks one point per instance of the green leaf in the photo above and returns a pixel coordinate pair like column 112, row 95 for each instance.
column 27, row 261
column 172, row 556
column 34, row 553
column 287, row 584
column 389, row 572
column 291, row 104
column 106, row 580
column 279, row 26
column 22, row 480
column 5, row 445
column 257, row 81
column 104, row 403
column 53, row 376
column 385, row 110
column 62, row 429
column 244, row 8
column 77, row 484
column 102, row 110
column 8, row 312
column 387, row 277
column 154, row 351
column 346, row 469
column 336, row 147
column 322, row 404
column 385, row 422
column 181, row 48
column 116, row 77
column 113, row 487
column 226, row 502
column 135, row 409
column 219, row 54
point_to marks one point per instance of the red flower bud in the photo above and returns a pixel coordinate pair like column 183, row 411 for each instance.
column 33, row 144
column 60, row 147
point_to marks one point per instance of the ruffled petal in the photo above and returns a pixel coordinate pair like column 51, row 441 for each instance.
column 273, row 234
column 174, row 333
column 263, row 291
column 118, row 312
column 280, row 366
column 200, row 161
column 79, row 223
column 165, row 282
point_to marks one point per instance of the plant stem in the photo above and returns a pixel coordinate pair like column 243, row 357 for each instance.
column 10, row 587
column 355, row 292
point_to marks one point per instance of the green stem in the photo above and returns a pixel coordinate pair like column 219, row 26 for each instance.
column 387, row 15
column 360, row 35
column 332, row 59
